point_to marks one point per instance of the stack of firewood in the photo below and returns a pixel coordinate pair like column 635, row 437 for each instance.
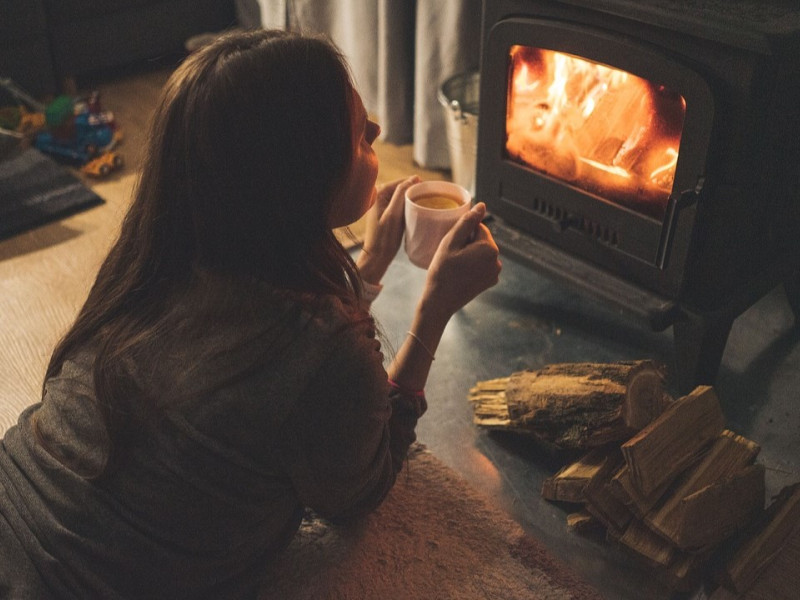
column 662, row 476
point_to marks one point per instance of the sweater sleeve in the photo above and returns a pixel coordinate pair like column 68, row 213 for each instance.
column 348, row 435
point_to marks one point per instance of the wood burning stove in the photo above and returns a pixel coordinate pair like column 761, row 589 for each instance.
column 648, row 153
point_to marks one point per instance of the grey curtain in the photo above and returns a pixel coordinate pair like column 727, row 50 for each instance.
column 400, row 52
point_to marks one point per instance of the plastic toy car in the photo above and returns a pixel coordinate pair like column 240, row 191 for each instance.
column 73, row 137
column 73, row 150
column 103, row 164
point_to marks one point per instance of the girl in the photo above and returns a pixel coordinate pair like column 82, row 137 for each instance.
column 223, row 373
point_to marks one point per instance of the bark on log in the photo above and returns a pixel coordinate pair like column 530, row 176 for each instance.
column 574, row 405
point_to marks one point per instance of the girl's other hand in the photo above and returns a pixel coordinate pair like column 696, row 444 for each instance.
column 465, row 264
column 385, row 225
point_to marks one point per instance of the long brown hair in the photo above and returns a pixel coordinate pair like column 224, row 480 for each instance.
column 246, row 149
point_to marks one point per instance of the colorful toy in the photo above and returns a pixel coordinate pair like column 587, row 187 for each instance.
column 72, row 136
column 103, row 164
column 76, row 131
column 80, row 132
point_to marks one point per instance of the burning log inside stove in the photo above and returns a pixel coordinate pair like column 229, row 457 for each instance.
column 599, row 128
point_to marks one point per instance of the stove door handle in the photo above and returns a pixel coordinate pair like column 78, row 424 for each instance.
column 679, row 219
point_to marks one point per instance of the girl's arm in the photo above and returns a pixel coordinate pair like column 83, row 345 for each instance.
column 466, row 263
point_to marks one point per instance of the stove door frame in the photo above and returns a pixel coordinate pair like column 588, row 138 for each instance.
column 645, row 250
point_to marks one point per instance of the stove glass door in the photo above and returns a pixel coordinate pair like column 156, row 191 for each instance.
column 596, row 127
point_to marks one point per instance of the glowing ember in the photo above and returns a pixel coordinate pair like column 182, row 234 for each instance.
column 596, row 127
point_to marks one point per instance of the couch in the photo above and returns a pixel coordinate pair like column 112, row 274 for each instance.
column 46, row 44
column 25, row 46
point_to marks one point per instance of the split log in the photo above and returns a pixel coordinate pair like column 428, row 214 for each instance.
column 678, row 516
column 779, row 525
column 663, row 449
column 719, row 510
column 574, row 405
column 570, row 482
column 780, row 579
column 647, row 544
column 680, row 571
column 489, row 404
column 583, row 522
column 621, row 486
column 602, row 504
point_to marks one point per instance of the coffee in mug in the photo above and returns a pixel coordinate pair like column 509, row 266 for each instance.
column 437, row 201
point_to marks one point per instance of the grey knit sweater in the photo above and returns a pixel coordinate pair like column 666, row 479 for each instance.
column 212, row 485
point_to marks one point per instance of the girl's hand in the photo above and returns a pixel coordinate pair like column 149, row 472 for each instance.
column 385, row 225
column 465, row 264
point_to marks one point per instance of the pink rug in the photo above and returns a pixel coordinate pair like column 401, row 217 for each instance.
column 434, row 538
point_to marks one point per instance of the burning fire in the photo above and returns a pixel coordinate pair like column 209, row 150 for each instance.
column 596, row 127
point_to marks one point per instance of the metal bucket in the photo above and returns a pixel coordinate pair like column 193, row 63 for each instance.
column 459, row 99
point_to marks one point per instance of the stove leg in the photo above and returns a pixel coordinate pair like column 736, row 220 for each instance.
column 792, row 288
column 699, row 344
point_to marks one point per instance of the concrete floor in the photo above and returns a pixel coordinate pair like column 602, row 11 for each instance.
column 528, row 321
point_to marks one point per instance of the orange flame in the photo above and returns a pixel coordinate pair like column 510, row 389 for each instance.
column 596, row 127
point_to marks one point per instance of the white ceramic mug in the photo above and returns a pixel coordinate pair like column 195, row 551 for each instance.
column 426, row 225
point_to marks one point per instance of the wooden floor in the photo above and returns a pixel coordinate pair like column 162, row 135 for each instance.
column 46, row 273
